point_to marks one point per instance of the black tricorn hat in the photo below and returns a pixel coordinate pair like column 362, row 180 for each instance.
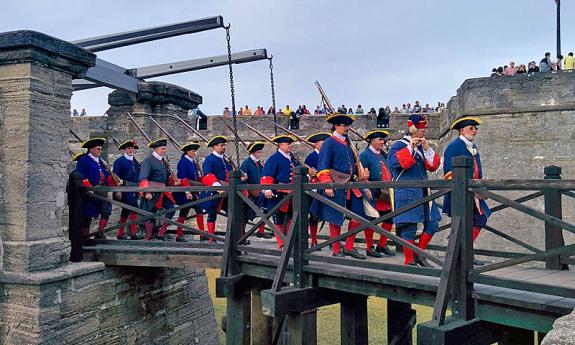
column 128, row 143
column 321, row 136
column 255, row 146
column 218, row 139
column 158, row 143
column 93, row 142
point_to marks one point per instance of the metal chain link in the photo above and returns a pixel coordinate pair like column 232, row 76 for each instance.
column 232, row 92
column 273, row 93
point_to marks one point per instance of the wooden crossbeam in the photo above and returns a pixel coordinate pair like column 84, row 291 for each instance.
column 262, row 216
column 286, row 253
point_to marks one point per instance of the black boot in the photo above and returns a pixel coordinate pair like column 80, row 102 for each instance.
column 354, row 254
column 384, row 250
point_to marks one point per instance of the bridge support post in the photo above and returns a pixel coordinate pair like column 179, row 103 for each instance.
column 401, row 319
column 353, row 316
column 457, row 332
column 238, row 319
column 517, row 336
column 301, row 328
column 553, row 234
column 261, row 325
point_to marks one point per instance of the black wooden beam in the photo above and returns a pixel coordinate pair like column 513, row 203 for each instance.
column 122, row 39
column 293, row 300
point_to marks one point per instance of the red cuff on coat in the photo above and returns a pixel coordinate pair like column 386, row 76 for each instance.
column 435, row 165
column 209, row 180
column 267, row 180
column 110, row 181
column 405, row 158
column 185, row 182
column 86, row 183
column 323, row 177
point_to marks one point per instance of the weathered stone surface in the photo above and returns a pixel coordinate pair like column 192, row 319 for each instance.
column 563, row 332
column 160, row 306
column 35, row 88
column 157, row 93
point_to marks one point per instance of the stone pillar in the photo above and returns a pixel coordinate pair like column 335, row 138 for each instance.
column 36, row 73
column 154, row 98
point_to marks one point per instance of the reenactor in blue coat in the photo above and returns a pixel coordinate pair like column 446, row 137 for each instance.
column 374, row 159
column 311, row 161
column 410, row 158
column 188, row 170
column 337, row 163
column 252, row 167
column 127, row 168
column 279, row 170
column 464, row 146
column 155, row 172
column 94, row 173
column 216, row 173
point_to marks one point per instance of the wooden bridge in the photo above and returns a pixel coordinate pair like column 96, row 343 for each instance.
column 272, row 296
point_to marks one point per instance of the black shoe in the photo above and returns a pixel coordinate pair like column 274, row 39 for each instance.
column 421, row 261
column 338, row 255
column 411, row 263
column 354, row 254
column 384, row 250
column 477, row 262
column 265, row 235
column 203, row 238
column 100, row 236
column 373, row 253
column 280, row 248
column 160, row 238
column 123, row 237
column 181, row 239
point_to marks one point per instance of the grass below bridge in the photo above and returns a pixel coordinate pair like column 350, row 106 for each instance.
column 328, row 317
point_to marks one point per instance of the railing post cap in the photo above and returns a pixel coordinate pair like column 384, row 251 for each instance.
column 552, row 170
column 235, row 174
column 301, row 170
column 462, row 161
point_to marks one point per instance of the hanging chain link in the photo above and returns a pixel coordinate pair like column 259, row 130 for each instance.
column 232, row 92
column 273, row 93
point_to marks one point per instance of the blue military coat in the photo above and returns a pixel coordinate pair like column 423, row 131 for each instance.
column 96, row 174
column 406, row 166
column 336, row 154
column 278, row 170
column 458, row 148
column 215, row 169
column 129, row 172
column 187, row 169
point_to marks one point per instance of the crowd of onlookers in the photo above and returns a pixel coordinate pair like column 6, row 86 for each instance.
column 383, row 113
column 545, row 65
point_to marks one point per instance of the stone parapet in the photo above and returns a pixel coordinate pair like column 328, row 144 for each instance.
column 35, row 92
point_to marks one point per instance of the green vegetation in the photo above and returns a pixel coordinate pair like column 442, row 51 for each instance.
column 328, row 317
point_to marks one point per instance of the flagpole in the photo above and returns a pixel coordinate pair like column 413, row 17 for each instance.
column 558, row 2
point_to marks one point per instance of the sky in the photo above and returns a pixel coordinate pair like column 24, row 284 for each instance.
column 373, row 53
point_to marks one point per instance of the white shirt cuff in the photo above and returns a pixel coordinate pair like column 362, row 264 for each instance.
column 216, row 184
column 429, row 155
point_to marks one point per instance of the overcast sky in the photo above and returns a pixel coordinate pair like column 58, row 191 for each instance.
column 372, row 53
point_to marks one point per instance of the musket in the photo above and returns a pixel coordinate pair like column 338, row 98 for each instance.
column 300, row 138
column 177, row 146
column 271, row 141
column 115, row 177
column 187, row 125
column 360, row 173
column 170, row 171
column 324, row 98
column 232, row 130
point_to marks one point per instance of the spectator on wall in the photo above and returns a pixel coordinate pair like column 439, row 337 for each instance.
column 342, row 109
column 83, row 112
column 545, row 63
column 558, row 65
column 305, row 110
column 372, row 111
column 532, row 67
column 416, row 107
column 396, row 110
column 271, row 110
column 569, row 62
column 294, row 119
column 511, row 69
column 317, row 111
column 259, row 111
column 226, row 112
column 382, row 118
column 522, row 69
column 359, row 110
column 75, row 113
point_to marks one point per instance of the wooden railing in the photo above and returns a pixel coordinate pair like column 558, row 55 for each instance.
column 455, row 268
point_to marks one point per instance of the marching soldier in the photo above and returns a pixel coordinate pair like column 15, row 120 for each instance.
column 279, row 170
column 216, row 173
column 93, row 171
column 311, row 161
column 188, row 170
column 337, row 163
column 464, row 146
column 253, row 167
column 410, row 158
column 127, row 168
column 155, row 173
column 374, row 159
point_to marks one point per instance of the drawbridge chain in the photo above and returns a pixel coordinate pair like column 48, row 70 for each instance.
column 273, row 93
column 233, row 96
